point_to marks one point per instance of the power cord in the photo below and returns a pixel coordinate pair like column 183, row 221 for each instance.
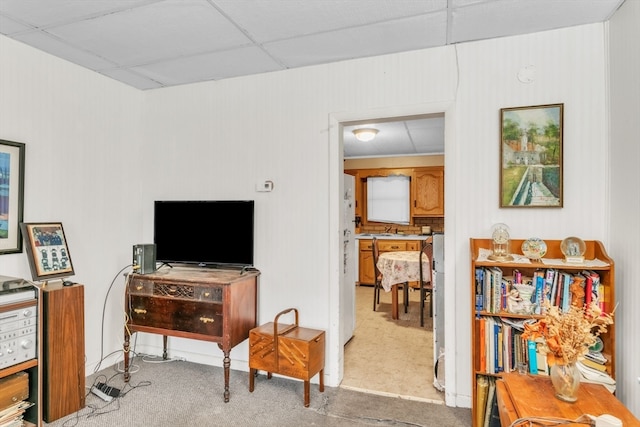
column 104, row 308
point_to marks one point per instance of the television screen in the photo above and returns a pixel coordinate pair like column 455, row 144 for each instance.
column 204, row 232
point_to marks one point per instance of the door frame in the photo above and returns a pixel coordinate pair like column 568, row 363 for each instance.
column 336, row 189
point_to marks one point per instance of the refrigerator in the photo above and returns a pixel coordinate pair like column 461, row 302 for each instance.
column 438, row 310
column 349, row 264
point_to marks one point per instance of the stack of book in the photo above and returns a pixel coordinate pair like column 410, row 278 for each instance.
column 593, row 369
column 14, row 391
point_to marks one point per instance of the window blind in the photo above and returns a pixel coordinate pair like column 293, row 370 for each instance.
column 388, row 199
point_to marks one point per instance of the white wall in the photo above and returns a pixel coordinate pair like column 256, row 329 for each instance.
column 624, row 187
column 217, row 139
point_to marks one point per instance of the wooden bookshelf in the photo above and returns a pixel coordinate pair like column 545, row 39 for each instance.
column 553, row 259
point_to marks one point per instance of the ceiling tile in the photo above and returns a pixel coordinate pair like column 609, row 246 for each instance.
column 61, row 49
column 303, row 17
column 378, row 39
column 55, row 12
column 211, row 66
column 131, row 78
column 155, row 32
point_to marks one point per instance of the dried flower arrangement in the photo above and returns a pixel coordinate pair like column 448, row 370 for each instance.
column 568, row 335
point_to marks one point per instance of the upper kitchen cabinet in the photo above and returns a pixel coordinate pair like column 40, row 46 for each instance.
column 427, row 190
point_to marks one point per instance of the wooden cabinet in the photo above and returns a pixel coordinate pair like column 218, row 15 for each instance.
column 63, row 353
column 365, row 258
column 19, row 333
column 205, row 304
column 427, row 192
column 603, row 267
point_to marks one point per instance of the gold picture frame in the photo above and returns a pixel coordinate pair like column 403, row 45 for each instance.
column 531, row 141
column 47, row 250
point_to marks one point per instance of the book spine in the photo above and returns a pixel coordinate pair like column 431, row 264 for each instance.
column 479, row 289
column 533, row 358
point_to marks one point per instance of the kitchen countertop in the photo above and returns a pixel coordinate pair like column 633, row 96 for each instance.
column 392, row 236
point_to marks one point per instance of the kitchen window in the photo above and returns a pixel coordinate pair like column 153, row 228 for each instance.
column 388, row 199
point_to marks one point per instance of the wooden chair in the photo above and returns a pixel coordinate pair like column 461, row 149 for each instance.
column 378, row 276
column 426, row 287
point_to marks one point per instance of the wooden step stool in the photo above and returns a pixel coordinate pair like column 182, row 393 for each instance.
column 287, row 350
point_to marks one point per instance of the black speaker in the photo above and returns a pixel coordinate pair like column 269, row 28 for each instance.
column 144, row 258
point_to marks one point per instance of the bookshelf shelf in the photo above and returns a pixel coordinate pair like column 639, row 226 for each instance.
column 486, row 317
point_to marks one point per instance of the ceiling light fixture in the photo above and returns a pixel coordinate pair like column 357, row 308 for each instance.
column 365, row 134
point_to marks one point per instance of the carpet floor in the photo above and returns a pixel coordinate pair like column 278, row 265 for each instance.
column 189, row 394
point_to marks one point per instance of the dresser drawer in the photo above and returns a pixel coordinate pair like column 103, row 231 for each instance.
column 176, row 314
column 184, row 291
column 391, row 245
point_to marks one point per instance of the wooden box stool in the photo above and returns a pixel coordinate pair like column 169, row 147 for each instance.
column 287, row 350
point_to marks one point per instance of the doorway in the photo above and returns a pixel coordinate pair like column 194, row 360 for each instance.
column 385, row 356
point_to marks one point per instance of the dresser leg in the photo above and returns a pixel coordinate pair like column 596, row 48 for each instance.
column 164, row 347
column 126, row 356
column 227, row 364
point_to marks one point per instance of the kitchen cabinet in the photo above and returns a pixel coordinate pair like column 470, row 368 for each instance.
column 365, row 258
column 427, row 192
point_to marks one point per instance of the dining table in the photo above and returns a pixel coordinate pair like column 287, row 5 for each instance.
column 398, row 267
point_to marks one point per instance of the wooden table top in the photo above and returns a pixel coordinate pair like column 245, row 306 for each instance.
column 521, row 396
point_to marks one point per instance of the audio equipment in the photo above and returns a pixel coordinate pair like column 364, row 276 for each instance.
column 144, row 258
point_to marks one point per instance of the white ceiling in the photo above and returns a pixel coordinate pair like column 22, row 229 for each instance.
column 151, row 44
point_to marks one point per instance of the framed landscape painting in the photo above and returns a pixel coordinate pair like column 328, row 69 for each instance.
column 11, row 195
column 531, row 156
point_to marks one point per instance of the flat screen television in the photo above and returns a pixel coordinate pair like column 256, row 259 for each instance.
column 208, row 233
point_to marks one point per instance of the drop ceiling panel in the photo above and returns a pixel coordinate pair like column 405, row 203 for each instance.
column 377, row 39
column 304, row 17
column 55, row 12
column 62, row 49
column 158, row 31
column 210, row 66
column 483, row 20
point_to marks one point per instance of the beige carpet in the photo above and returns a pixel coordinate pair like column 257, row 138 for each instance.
column 391, row 357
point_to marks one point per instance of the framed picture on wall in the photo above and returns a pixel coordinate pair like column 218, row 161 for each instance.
column 531, row 156
column 48, row 252
column 11, row 195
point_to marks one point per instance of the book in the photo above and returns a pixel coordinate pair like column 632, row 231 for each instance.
column 566, row 300
column 490, row 401
column 483, row 346
column 479, row 289
column 533, row 358
column 594, row 365
column 588, row 287
column 494, row 415
column 538, row 293
column 496, row 296
column 482, row 390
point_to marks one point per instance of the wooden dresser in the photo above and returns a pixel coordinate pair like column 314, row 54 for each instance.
column 204, row 304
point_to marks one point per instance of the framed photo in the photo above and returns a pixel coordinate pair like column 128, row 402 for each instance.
column 47, row 249
column 531, row 156
column 11, row 196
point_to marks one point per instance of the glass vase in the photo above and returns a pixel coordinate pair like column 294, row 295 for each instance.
column 566, row 380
